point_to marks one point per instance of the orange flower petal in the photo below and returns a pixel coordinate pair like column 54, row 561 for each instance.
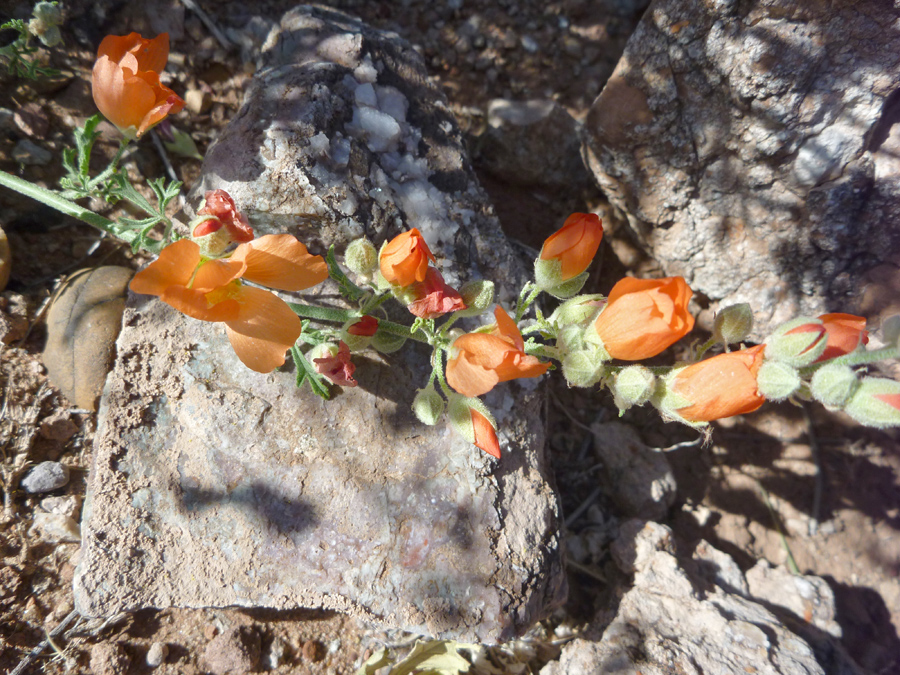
column 280, row 261
column 174, row 267
column 147, row 54
column 485, row 434
column 264, row 330
column 404, row 259
column 468, row 377
column 215, row 274
column 199, row 305
column 722, row 386
column 575, row 244
column 643, row 317
column 845, row 333
column 507, row 329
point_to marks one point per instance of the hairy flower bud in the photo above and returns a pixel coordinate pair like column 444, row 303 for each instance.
column 582, row 368
column 876, row 403
column 577, row 310
column 777, row 380
column 478, row 296
column 474, row 422
column 361, row 257
column 632, row 386
column 832, row 385
column 428, row 406
column 798, row 342
column 733, row 324
column 567, row 253
column 387, row 343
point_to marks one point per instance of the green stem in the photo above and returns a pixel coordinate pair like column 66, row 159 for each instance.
column 705, row 347
column 343, row 315
column 437, row 362
column 54, row 200
column 859, row 358
column 524, row 305
column 104, row 175
column 546, row 351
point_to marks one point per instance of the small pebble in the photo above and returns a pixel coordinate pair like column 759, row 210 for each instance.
column 276, row 653
column 313, row 650
column 64, row 506
column 57, row 528
column 45, row 477
column 27, row 152
column 235, row 652
column 108, row 658
column 197, row 101
column 157, row 654
column 58, row 427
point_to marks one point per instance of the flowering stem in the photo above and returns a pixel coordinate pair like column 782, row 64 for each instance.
column 856, row 359
column 532, row 293
column 343, row 315
column 536, row 349
column 54, row 200
column 705, row 347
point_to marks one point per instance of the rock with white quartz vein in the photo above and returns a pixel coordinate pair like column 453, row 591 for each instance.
column 752, row 148
column 213, row 485
column 342, row 134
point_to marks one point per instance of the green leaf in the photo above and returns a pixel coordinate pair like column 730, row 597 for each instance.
column 306, row 372
column 182, row 145
column 346, row 287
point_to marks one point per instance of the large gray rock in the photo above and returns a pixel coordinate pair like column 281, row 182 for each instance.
column 678, row 618
column 743, row 142
column 213, row 485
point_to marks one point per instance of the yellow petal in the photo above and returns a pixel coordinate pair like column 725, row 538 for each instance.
column 264, row 330
column 280, row 261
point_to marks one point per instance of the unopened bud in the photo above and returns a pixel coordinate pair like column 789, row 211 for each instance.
column 776, row 381
column 361, row 257
column 387, row 343
column 428, row 406
column 832, row 385
column 45, row 24
column 322, row 351
column 876, row 403
column 797, row 343
column 632, row 386
column 577, row 310
column 562, row 290
column 733, row 324
column 478, row 296
column 582, row 368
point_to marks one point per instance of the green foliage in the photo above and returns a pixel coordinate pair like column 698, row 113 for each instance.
column 346, row 287
column 306, row 372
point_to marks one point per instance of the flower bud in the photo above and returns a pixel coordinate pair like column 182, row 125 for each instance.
column 633, row 385
column 428, row 406
column 474, row 422
column 876, row 403
column 546, row 277
column 832, row 385
column 386, row 343
column 567, row 253
column 478, row 296
column 582, row 368
column 361, row 257
column 324, row 350
column 733, row 324
column 577, row 310
column 798, row 342
column 45, row 24
column 357, row 333
column 777, row 380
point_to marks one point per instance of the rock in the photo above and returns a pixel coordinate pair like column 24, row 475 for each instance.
column 745, row 144
column 56, row 528
column 637, row 478
column 277, row 498
column 109, row 658
column 82, row 324
column 198, row 101
column 5, row 259
column 276, row 653
column 675, row 620
column 13, row 317
column 29, row 153
column 533, row 142
column 59, row 427
column 45, row 477
column 67, row 506
column 156, row 655
column 235, row 652
column 810, row 599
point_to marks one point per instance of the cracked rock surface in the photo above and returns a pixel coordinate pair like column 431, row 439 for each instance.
column 748, row 146
column 213, row 485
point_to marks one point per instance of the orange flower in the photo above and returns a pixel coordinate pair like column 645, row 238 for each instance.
column 404, row 259
column 367, row 326
column 485, row 435
column 845, row 332
column 434, row 297
column 260, row 325
column 722, row 386
column 643, row 317
column 575, row 244
column 126, row 82
column 484, row 359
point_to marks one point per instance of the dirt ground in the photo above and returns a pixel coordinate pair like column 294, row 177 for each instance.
column 784, row 482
